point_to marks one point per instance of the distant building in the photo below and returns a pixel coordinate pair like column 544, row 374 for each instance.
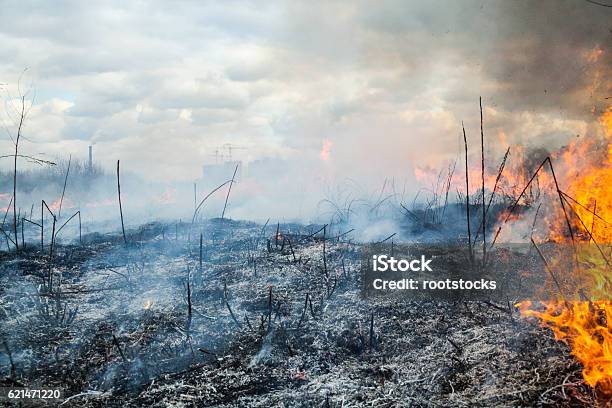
column 215, row 174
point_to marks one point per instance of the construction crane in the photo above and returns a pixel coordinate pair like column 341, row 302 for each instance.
column 224, row 152
column 230, row 147
column 217, row 155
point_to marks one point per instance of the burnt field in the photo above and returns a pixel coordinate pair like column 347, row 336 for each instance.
column 258, row 315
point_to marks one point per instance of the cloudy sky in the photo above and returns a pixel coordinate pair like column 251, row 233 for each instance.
column 351, row 89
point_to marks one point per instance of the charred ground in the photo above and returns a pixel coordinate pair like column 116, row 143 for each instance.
column 270, row 316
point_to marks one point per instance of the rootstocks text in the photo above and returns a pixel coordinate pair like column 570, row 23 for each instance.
column 446, row 272
column 386, row 263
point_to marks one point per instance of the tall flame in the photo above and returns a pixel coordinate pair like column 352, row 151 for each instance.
column 593, row 188
column 586, row 326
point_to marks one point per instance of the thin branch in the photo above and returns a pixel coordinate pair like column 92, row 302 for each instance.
column 547, row 267
column 205, row 198
column 120, row 208
column 584, row 207
column 59, row 213
column 21, row 119
column 67, row 221
column 590, row 234
column 515, row 204
column 484, row 211
column 229, row 190
column 467, row 196
column 497, row 179
column 33, row 159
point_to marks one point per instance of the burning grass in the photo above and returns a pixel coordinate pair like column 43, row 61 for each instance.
column 584, row 325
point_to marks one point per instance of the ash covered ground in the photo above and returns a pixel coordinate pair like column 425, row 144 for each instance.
column 277, row 318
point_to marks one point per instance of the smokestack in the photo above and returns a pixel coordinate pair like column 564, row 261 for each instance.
column 90, row 158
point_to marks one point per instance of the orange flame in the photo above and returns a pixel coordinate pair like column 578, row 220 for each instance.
column 102, row 203
column 586, row 326
column 325, row 150
column 167, row 197
column 592, row 188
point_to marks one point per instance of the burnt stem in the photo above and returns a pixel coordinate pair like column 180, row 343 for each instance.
column 291, row 248
column 10, row 356
column 535, row 218
column 515, row 204
column 484, row 210
column 225, row 298
column 316, row 232
column 312, row 313
column 276, row 235
column 195, row 213
column 388, row 238
column 304, row 310
column 567, row 221
column 51, row 257
column 189, row 306
column 248, row 322
column 189, row 309
column 232, row 314
column 201, row 244
column 333, row 288
column 492, row 196
column 551, row 273
column 42, row 226
column 18, row 136
column 229, row 190
column 324, row 255
column 116, row 343
column 585, row 208
column 591, row 238
column 59, row 212
column 269, row 308
column 371, row 331
column 467, row 197
column 593, row 220
column 120, row 207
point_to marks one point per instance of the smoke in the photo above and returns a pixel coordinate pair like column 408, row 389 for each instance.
column 378, row 91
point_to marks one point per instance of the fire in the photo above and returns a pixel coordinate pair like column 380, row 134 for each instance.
column 147, row 304
column 425, row 175
column 586, row 326
column 592, row 187
column 594, row 55
column 66, row 204
column 606, row 122
column 102, row 203
column 167, row 197
column 325, row 150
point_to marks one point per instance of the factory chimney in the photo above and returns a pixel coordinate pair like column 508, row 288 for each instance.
column 90, row 163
